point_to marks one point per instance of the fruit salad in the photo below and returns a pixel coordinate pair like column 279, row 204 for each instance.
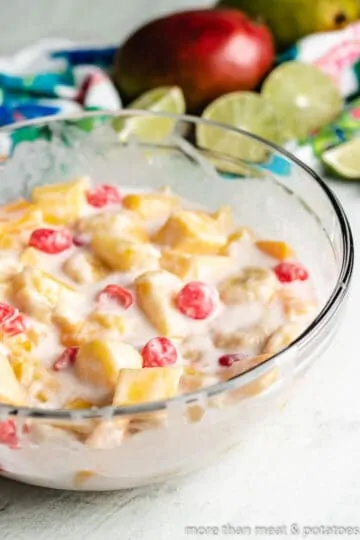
column 115, row 297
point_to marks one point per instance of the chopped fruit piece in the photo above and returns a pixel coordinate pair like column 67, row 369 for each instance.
column 288, row 272
column 196, row 267
column 241, row 235
column 8, row 435
column 155, row 294
column 125, row 255
column 82, row 477
column 277, row 250
column 108, row 434
column 14, row 233
column 11, row 321
column 84, row 267
column 103, row 195
column 145, row 385
column 10, row 389
column 282, row 337
column 98, row 362
column 294, row 306
column 66, row 359
column 79, row 403
column 51, row 240
column 38, row 382
column 97, row 326
column 225, row 219
column 159, row 352
column 120, row 225
column 192, row 232
column 227, row 360
column 251, row 339
column 9, row 266
column 62, row 203
column 197, row 300
column 151, row 205
column 31, row 257
column 18, row 205
column 118, row 294
column 252, row 284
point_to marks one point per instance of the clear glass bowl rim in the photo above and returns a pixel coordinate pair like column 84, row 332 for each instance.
column 330, row 308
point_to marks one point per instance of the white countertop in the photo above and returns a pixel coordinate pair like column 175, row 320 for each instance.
column 304, row 469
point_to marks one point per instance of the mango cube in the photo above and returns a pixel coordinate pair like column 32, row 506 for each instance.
column 144, row 385
column 156, row 292
column 192, row 232
column 125, row 255
column 99, row 361
column 151, row 205
column 62, row 203
column 10, row 390
column 277, row 250
column 84, row 267
column 196, row 267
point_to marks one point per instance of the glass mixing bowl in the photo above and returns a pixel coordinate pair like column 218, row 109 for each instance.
column 272, row 192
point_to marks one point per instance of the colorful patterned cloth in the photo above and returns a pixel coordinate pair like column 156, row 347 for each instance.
column 53, row 77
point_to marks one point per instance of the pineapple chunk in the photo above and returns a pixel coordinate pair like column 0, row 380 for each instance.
column 99, row 361
column 10, row 390
column 31, row 257
column 151, row 205
column 98, row 325
column 85, row 268
column 36, row 293
column 19, row 205
column 62, row 203
column 14, row 233
column 155, row 294
column 252, row 284
column 38, row 382
column 282, row 337
column 143, row 385
column 208, row 268
column 125, row 255
column 192, row 232
column 116, row 224
column 277, row 250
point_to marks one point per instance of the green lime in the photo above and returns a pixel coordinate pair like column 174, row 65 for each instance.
column 306, row 98
column 245, row 110
column 344, row 160
column 166, row 99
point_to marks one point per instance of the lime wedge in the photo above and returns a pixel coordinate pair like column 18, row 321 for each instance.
column 305, row 98
column 166, row 99
column 245, row 110
column 344, row 160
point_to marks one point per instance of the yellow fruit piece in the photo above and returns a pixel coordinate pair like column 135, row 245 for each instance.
column 251, row 284
column 282, row 337
column 143, row 385
column 9, row 266
column 18, row 205
column 79, row 403
column 188, row 267
column 99, row 361
column 192, row 232
column 82, row 477
column 36, row 293
column 155, row 293
column 98, row 325
column 19, row 344
column 125, row 255
column 62, row 203
column 151, row 205
column 117, row 224
column 224, row 217
column 30, row 257
column 294, row 306
column 85, row 268
column 37, row 381
column 277, row 250
column 109, row 434
column 10, row 390
column 240, row 235
column 14, row 233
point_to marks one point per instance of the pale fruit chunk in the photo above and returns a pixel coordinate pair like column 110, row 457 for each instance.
column 10, row 390
column 31, row 257
column 296, row 307
column 282, row 337
column 9, row 265
column 98, row 325
column 116, row 224
column 14, row 233
column 109, row 434
column 225, row 219
column 38, row 382
column 62, row 203
column 192, row 232
column 244, row 234
column 251, row 284
column 36, row 293
column 99, row 361
column 277, row 250
column 144, row 385
column 84, row 267
column 155, row 292
column 19, row 205
column 251, row 339
column 207, row 268
column 125, row 255
column 151, row 205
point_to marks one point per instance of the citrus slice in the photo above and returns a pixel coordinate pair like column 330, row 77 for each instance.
column 344, row 160
column 245, row 110
column 166, row 99
column 305, row 98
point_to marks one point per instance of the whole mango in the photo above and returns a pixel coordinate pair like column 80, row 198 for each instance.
column 206, row 52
